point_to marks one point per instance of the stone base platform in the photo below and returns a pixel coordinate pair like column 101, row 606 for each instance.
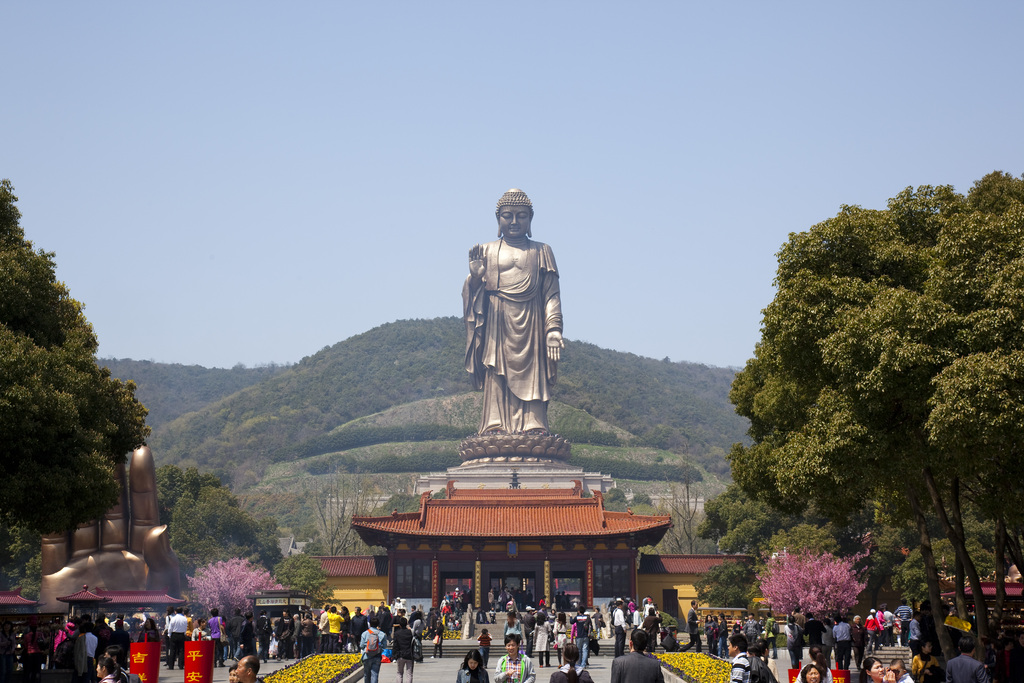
column 530, row 475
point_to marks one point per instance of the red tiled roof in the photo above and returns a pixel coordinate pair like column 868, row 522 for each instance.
column 355, row 565
column 84, row 595
column 683, row 564
column 13, row 597
column 988, row 589
column 138, row 597
column 519, row 513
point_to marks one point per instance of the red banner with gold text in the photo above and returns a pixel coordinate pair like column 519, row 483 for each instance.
column 144, row 661
column 199, row 661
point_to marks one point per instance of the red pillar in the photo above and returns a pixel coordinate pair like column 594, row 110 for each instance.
column 392, row 578
column 435, row 583
column 590, row 581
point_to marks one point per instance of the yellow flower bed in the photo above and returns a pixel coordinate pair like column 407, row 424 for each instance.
column 452, row 635
column 316, row 669
column 698, row 668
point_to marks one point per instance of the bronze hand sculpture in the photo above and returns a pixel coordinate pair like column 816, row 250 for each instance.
column 513, row 314
column 126, row 550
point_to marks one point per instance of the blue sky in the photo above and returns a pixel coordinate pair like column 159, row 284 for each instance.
column 249, row 182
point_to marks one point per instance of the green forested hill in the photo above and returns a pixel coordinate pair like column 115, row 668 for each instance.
column 170, row 390
column 679, row 407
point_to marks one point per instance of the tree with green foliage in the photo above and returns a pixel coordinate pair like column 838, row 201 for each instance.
column 804, row 536
column 909, row 576
column 740, row 523
column 890, row 368
column 304, row 573
column 730, row 584
column 207, row 524
column 173, row 483
column 615, row 500
column 20, row 560
column 65, row 424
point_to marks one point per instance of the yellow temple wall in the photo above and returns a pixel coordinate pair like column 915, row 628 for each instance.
column 358, row 591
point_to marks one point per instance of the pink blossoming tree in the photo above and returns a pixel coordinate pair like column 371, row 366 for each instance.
column 820, row 583
column 225, row 584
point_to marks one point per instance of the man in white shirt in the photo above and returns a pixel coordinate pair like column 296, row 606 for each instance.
column 91, row 642
column 619, row 626
column 176, row 627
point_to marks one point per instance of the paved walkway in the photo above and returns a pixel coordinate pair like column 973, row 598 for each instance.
column 428, row 671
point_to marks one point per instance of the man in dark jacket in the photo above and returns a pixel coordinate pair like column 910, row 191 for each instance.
column 264, row 629
column 387, row 619
column 402, row 649
column 248, row 636
column 582, row 623
column 692, row 628
column 285, row 631
column 858, row 639
column 965, row 668
column 814, row 630
column 529, row 623
column 358, row 625
column 123, row 640
column 637, row 667
column 235, row 624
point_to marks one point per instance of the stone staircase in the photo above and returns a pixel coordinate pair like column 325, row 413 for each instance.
column 887, row 653
column 459, row 648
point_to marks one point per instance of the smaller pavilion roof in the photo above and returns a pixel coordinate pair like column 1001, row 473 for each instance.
column 84, row 595
column 13, row 598
column 137, row 597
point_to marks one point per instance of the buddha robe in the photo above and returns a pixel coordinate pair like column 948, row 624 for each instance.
column 508, row 315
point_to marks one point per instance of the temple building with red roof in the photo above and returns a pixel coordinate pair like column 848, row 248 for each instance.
column 545, row 540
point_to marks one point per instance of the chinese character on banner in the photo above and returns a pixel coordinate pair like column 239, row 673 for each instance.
column 199, row 661
column 144, row 661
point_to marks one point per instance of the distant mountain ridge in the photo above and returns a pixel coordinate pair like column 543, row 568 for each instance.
column 169, row 390
column 679, row 407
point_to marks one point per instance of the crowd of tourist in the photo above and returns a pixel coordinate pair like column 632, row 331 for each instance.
column 841, row 640
column 533, row 638
column 93, row 649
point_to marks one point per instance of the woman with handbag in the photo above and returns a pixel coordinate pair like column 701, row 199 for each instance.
column 218, row 633
column 560, row 636
column 541, row 640
column 437, row 635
